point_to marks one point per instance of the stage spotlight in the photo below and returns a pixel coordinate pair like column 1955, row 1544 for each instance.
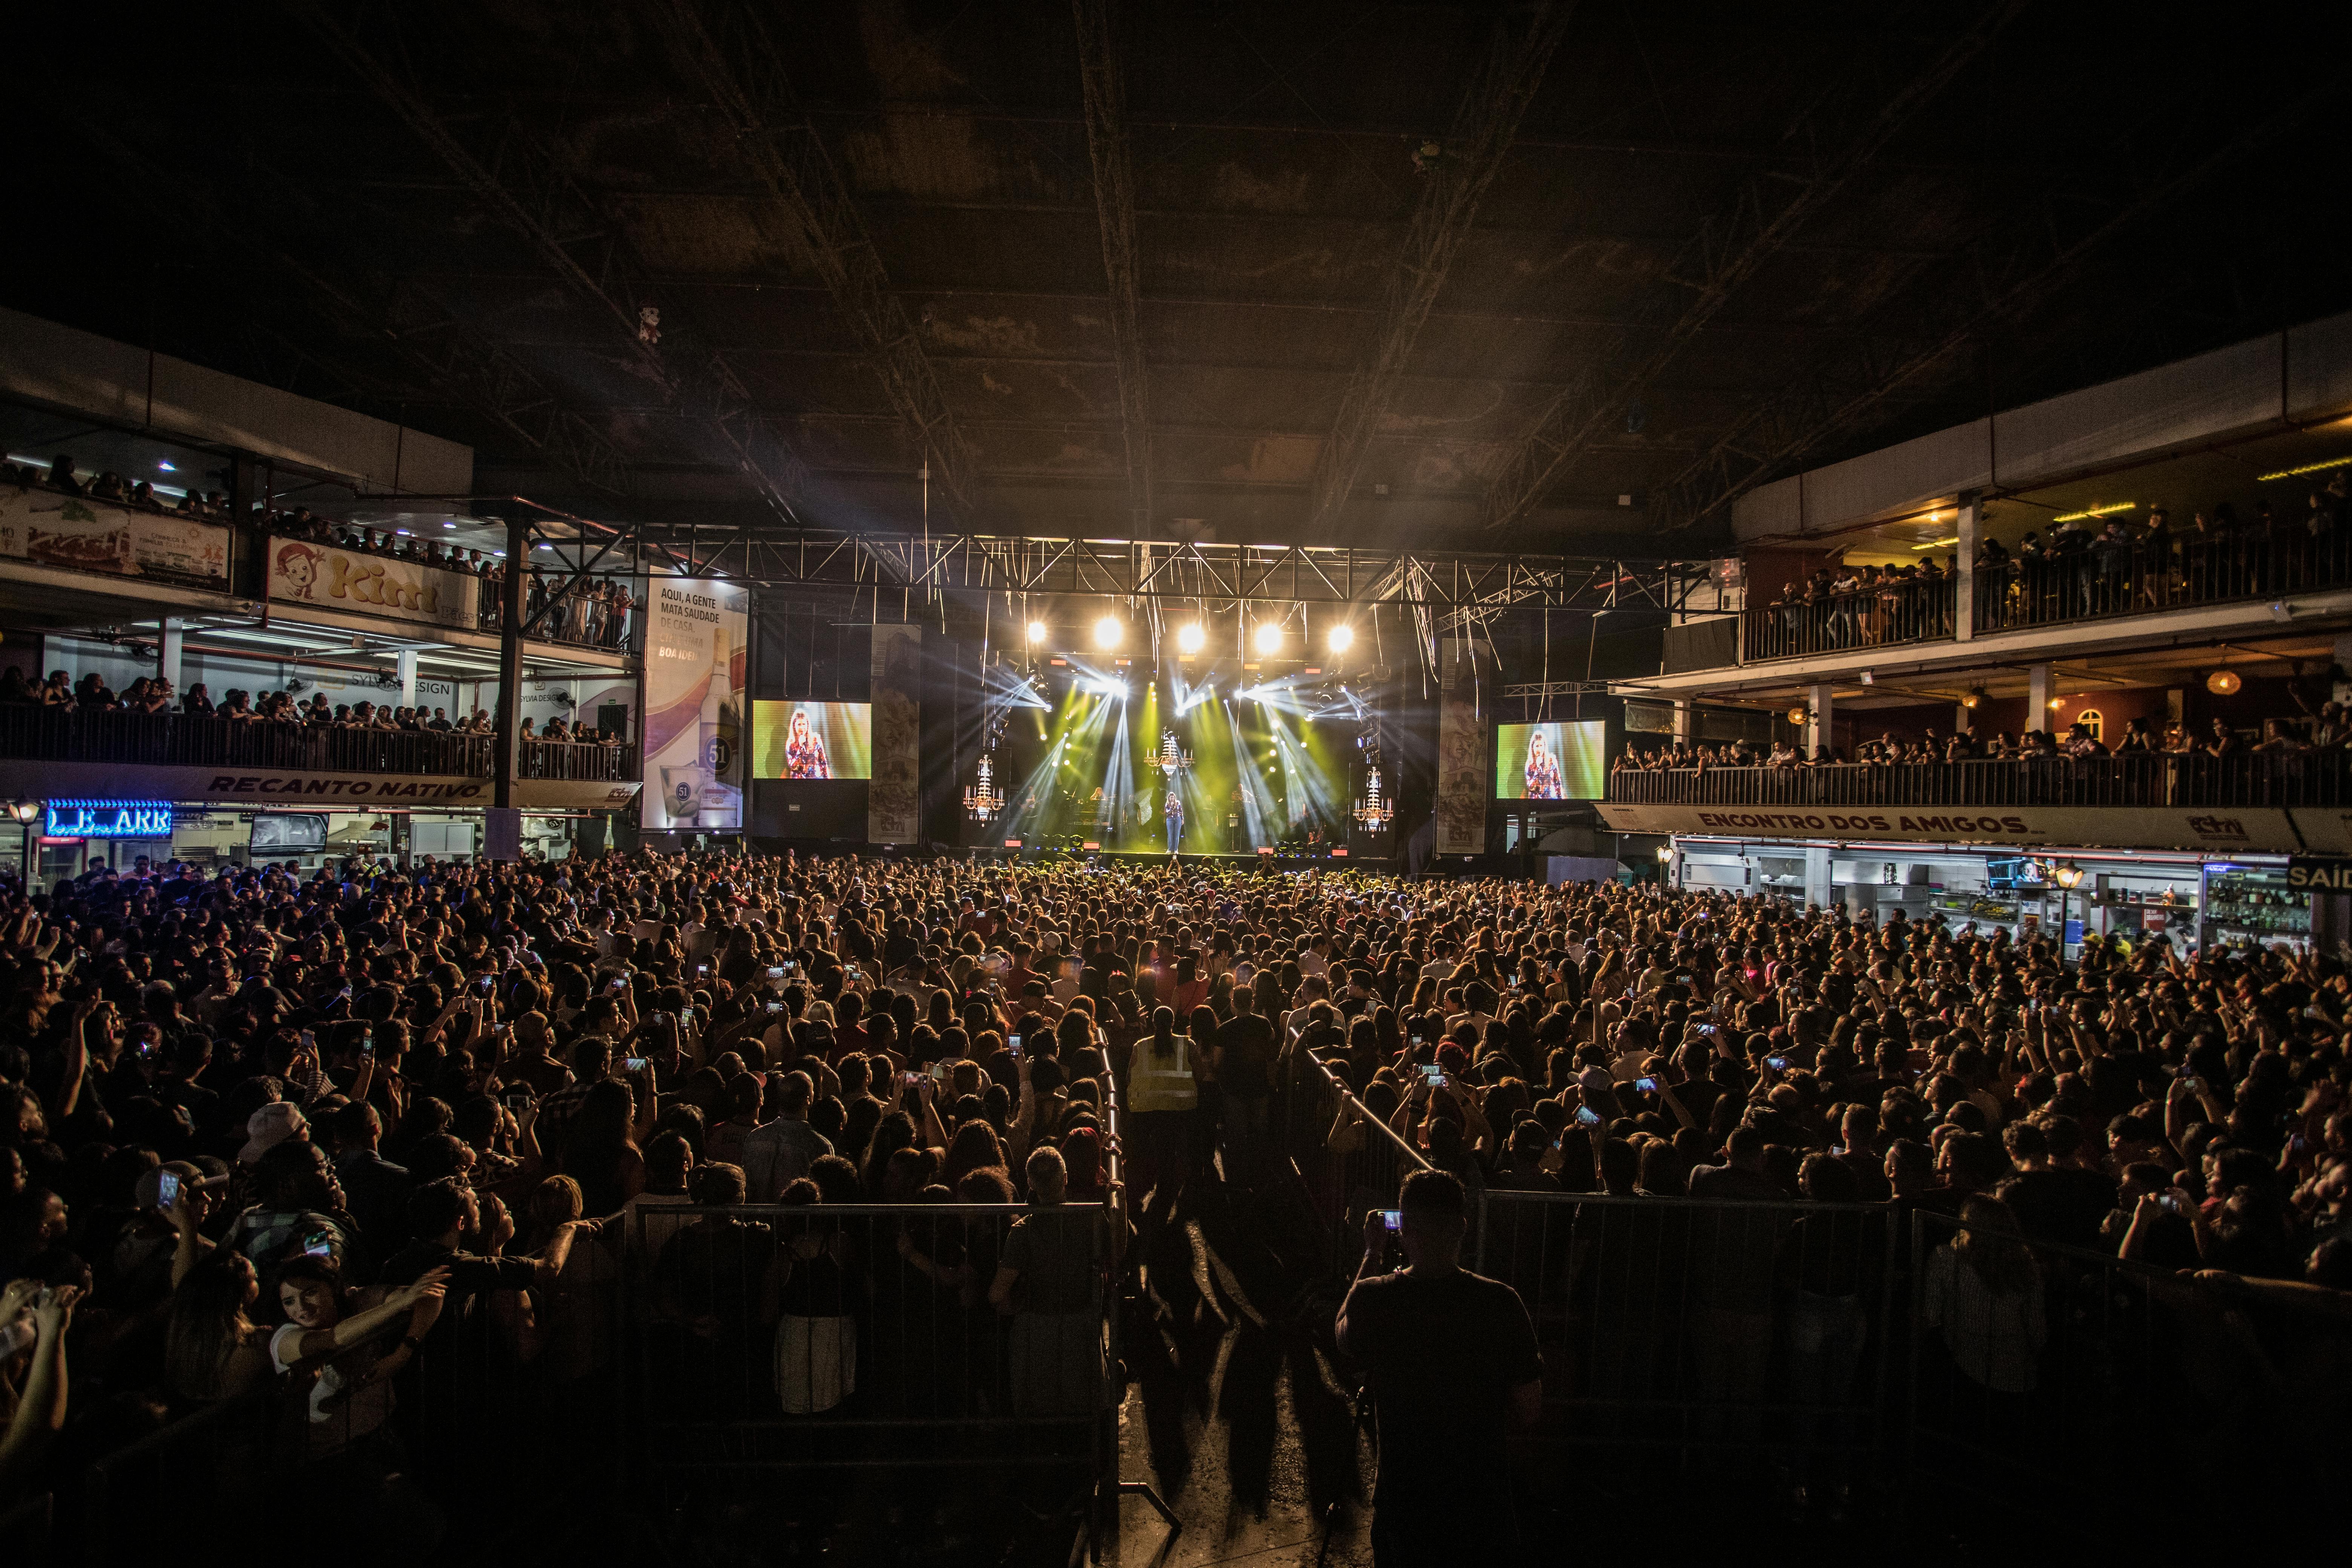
column 1108, row 631
column 1343, row 637
column 1269, row 637
column 1036, row 633
column 1190, row 638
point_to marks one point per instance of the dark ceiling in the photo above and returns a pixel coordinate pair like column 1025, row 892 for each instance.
column 1187, row 259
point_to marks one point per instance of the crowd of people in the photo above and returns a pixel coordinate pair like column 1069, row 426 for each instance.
column 2103, row 563
column 154, row 694
column 267, row 1130
column 594, row 612
column 2117, row 563
column 2330, row 731
column 1847, row 606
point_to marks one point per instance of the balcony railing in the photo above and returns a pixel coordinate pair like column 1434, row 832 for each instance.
column 180, row 740
column 2249, row 779
column 2140, row 577
column 1904, row 612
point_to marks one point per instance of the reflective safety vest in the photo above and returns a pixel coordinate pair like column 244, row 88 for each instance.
column 1160, row 1082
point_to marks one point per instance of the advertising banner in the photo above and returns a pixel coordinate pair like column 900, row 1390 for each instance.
column 694, row 703
column 2224, row 830
column 1461, row 759
column 894, row 811
column 312, row 790
column 321, row 576
column 49, row 528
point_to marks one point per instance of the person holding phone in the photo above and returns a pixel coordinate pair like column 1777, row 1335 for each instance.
column 1452, row 1363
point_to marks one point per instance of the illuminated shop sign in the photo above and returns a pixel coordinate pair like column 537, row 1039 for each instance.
column 109, row 819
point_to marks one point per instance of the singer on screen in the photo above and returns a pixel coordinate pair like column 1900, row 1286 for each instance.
column 1543, row 769
column 804, row 755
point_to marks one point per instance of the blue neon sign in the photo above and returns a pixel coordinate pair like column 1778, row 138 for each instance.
column 109, row 818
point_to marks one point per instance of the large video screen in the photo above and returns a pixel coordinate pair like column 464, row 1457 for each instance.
column 289, row 832
column 812, row 740
column 1551, row 761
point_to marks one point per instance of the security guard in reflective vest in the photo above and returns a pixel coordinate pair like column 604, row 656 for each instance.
column 1161, row 1099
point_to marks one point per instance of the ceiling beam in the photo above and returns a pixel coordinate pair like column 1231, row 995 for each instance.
column 2043, row 246
column 1835, row 136
column 1518, row 51
column 1106, row 147
column 725, row 52
column 532, row 192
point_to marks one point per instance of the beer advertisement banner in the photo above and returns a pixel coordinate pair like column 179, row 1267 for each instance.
column 694, row 703
column 894, row 813
column 81, row 534
column 1461, row 759
column 322, row 576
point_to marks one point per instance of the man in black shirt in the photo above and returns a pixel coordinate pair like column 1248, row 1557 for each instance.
column 1451, row 1361
column 1244, row 1064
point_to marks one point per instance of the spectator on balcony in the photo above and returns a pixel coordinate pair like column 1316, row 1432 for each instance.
column 2224, row 741
column 2278, row 740
column 57, row 691
column 15, row 689
column 93, row 692
column 2139, row 740
column 61, row 476
column 198, row 703
column 2081, row 744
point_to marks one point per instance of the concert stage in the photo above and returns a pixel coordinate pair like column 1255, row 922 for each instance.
column 1040, row 855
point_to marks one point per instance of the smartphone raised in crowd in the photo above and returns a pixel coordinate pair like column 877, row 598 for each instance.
column 1587, row 1117
column 167, row 1188
column 635, row 1064
column 1778, row 1064
column 1646, row 1085
column 1393, row 1219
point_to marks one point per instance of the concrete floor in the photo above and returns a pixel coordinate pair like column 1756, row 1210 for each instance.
column 1236, row 1413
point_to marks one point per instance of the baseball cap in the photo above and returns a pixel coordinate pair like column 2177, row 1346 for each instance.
column 269, row 1127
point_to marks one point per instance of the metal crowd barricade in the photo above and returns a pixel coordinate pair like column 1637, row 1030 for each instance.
column 217, row 1462
column 765, row 1341
column 2052, row 1386
column 1674, row 1324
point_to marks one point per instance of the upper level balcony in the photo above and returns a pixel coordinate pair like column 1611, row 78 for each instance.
column 59, row 751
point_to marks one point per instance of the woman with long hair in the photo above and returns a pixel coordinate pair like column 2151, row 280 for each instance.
column 600, row 1148
column 805, row 753
column 328, row 1333
column 211, row 1349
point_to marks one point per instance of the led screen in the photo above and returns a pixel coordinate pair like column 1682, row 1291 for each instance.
column 812, row 740
column 1549, row 761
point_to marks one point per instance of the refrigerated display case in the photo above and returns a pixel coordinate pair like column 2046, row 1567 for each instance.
column 2252, row 906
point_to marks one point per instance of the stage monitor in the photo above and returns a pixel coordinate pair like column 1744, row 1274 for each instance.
column 812, row 740
column 289, row 832
column 1551, row 761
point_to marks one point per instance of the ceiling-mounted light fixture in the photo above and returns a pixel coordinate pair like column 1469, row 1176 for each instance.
column 2224, row 683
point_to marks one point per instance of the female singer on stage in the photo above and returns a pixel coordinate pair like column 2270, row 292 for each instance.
column 1543, row 771
column 1174, row 808
column 804, row 755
